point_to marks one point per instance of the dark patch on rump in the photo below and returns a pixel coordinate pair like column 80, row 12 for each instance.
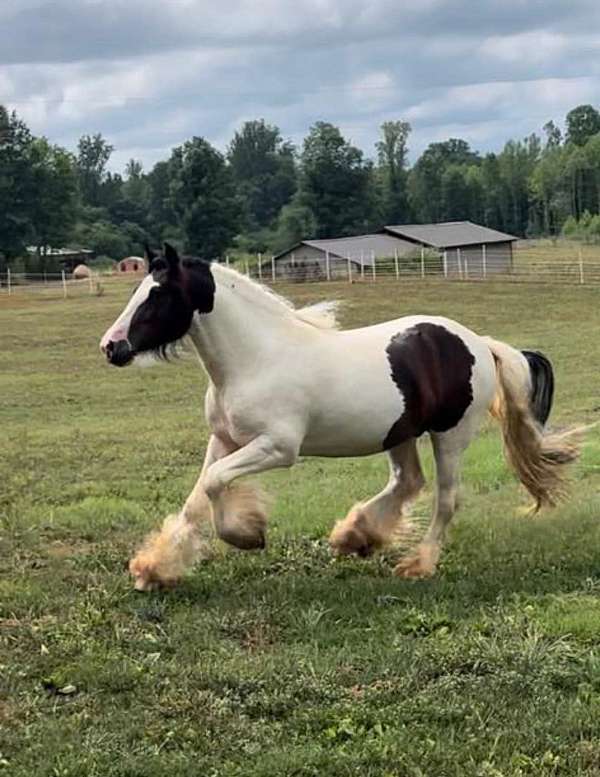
column 432, row 367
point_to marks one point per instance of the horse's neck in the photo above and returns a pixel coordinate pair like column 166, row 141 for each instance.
column 244, row 325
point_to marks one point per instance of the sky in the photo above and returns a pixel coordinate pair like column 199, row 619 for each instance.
column 149, row 74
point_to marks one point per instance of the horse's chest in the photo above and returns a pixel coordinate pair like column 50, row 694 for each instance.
column 229, row 421
column 432, row 368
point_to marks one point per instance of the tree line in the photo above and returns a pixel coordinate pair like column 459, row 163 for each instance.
column 264, row 194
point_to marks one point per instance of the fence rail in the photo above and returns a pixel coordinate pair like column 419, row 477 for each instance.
column 48, row 284
column 352, row 269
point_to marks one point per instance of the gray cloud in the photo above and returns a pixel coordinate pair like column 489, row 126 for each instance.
column 150, row 74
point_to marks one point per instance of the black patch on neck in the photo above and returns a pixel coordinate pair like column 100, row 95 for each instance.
column 432, row 367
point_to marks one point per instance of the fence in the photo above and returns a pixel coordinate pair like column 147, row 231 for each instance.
column 49, row 285
column 520, row 267
column 484, row 263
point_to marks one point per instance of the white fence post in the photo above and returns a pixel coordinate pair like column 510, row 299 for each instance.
column 581, row 278
column 260, row 267
column 466, row 268
column 422, row 262
column 227, row 260
column 362, row 264
column 484, row 260
column 374, row 260
column 8, row 279
column 349, row 269
column 445, row 262
column 458, row 262
column 396, row 263
column 273, row 269
column 64, row 284
column 327, row 267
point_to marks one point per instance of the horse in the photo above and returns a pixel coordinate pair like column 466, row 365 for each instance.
column 286, row 382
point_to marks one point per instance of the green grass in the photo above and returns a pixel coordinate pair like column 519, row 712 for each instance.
column 560, row 250
column 285, row 662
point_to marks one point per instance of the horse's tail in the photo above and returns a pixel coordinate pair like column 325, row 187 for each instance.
column 525, row 388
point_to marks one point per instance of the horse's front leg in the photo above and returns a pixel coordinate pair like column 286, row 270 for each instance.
column 238, row 511
column 182, row 540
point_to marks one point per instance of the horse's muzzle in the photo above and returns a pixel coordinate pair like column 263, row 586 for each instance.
column 119, row 353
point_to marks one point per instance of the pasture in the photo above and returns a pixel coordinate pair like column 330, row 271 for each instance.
column 285, row 662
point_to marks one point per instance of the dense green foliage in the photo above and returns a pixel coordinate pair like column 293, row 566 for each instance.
column 264, row 194
column 287, row 662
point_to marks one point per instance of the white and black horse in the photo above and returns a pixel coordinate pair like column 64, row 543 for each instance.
column 285, row 383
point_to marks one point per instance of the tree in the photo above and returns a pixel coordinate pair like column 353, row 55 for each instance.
column 94, row 153
column 162, row 218
column 296, row 222
column 392, row 155
column 582, row 123
column 105, row 239
column 336, row 184
column 548, row 190
column 591, row 152
column 264, row 172
column 55, row 201
column 16, row 185
column 136, row 186
column 203, row 198
column 516, row 164
column 425, row 181
column 553, row 134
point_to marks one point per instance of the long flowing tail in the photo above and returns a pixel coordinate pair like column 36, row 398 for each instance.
column 522, row 405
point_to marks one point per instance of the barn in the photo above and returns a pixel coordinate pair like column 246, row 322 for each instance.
column 468, row 250
column 132, row 264
column 322, row 259
column 464, row 249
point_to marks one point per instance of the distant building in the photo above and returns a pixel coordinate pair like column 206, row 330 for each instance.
column 132, row 264
column 466, row 248
column 67, row 258
column 459, row 247
column 309, row 259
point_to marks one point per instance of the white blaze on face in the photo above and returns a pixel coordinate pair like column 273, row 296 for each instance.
column 120, row 329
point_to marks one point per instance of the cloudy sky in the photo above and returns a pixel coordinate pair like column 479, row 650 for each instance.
column 150, row 73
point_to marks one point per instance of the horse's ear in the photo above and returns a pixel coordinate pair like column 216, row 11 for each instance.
column 171, row 257
column 148, row 253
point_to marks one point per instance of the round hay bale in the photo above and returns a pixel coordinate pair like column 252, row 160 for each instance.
column 81, row 271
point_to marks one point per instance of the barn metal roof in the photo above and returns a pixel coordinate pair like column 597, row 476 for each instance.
column 449, row 234
column 357, row 247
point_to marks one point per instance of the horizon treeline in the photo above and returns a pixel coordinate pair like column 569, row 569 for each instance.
column 264, row 194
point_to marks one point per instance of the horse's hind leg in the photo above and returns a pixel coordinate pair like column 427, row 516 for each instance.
column 448, row 448
column 372, row 524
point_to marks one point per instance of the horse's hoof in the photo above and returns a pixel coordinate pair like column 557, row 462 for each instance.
column 417, row 566
column 256, row 541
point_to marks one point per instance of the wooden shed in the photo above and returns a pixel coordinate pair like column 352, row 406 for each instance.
column 132, row 264
column 319, row 259
column 468, row 250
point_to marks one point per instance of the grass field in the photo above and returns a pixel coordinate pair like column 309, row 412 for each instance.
column 560, row 250
column 285, row 662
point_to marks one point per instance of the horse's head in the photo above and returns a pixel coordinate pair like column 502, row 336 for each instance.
column 162, row 307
